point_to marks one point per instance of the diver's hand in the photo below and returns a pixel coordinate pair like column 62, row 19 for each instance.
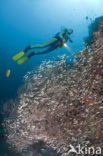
column 70, row 40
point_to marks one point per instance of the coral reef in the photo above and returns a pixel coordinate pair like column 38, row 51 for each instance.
column 95, row 27
column 60, row 104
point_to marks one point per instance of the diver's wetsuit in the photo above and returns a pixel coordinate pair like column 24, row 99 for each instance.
column 55, row 43
column 52, row 45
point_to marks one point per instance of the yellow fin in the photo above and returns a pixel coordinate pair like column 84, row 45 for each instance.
column 21, row 61
column 18, row 56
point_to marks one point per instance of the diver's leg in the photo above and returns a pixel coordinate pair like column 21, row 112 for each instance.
column 22, row 53
column 27, row 49
column 46, row 51
column 51, row 48
column 31, row 54
column 49, row 43
column 24, row 59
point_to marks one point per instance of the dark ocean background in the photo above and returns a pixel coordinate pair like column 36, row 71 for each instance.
column 30, row 22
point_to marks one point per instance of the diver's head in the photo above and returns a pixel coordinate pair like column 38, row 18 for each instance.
column 70, row 31
column 67, row 31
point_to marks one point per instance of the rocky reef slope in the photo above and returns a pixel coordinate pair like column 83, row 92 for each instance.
column 60, row 104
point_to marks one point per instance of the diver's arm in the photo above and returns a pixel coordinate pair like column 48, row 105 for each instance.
column 62, row 36
column 70, row 39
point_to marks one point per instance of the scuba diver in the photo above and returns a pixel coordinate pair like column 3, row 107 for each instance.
column 57, row 42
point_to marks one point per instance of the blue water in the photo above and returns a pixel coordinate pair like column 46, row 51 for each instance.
column 30, row 22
